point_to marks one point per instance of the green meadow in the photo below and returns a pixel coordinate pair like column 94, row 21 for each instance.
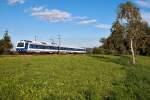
column 74, row 77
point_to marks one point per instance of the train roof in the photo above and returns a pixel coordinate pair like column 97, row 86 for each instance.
column 45, row 43
column 26, row 40
column 35, row 42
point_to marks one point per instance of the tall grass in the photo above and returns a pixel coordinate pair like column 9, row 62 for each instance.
column 74, row 77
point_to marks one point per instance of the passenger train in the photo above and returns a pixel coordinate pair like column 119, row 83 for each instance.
column 26, row 46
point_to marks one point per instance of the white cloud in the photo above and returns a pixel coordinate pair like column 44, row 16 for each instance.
column 143, row 3
column 11, row 2
column 56, row 15
column 53, row 15
column 103, row 26
column 88, row 21
column 40, row 8
column 81, row 18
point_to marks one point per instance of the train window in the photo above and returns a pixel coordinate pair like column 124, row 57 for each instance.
column 33, row 46
column 26, row 45
column 47, row 47
column 20, row 44
column 42, row 47
column 65, row 48
column 51, row 47
column 36, row 46
column 68, row 48
column 62, row 48
column 39, row 47
column 54, row 48
column 30, row 45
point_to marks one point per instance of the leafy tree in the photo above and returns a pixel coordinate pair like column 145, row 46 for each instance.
column 1, row 46
column 129, row 33
column 129, row 16
column 102, row 40
column 117, row 38
column 109, row 46
column 115, row 42
column 147, row 43
column 5, row 43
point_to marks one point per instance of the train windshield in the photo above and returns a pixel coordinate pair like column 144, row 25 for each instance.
column 20, row 44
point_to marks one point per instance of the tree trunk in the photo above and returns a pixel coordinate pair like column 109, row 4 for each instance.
column 132, row 51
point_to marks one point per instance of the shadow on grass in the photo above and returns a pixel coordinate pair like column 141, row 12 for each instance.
column 121, row 60
column 135, row 85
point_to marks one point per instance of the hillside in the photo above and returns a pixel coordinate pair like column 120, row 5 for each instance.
column 74, row 77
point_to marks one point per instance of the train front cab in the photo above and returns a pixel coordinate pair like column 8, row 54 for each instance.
column 22, row 47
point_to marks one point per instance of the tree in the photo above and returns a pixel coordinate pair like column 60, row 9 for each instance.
column 115, row 42
column 5, row 43
column 109, row 46
column 102, row 40
column 147, row 43
column 117, row 37
column 130, row 18
column 1, row 46
column 129, row 33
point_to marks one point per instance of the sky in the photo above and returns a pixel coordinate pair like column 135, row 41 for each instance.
column 80, row 23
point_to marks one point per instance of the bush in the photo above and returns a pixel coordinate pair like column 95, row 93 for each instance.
column 98, row 50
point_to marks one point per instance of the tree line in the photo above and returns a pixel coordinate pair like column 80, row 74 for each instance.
column 5, row 44
column 130, row 34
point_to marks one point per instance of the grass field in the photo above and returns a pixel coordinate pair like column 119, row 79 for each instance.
column 74, row 77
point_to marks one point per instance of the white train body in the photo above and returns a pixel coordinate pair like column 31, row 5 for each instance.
column 25, row 46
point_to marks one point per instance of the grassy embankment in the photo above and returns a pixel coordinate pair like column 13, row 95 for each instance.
column 75, row 77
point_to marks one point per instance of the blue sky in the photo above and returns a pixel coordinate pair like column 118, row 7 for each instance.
column 81, row 23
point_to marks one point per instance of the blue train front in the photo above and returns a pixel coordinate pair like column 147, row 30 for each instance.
column 22, row 46
column 26, row 46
